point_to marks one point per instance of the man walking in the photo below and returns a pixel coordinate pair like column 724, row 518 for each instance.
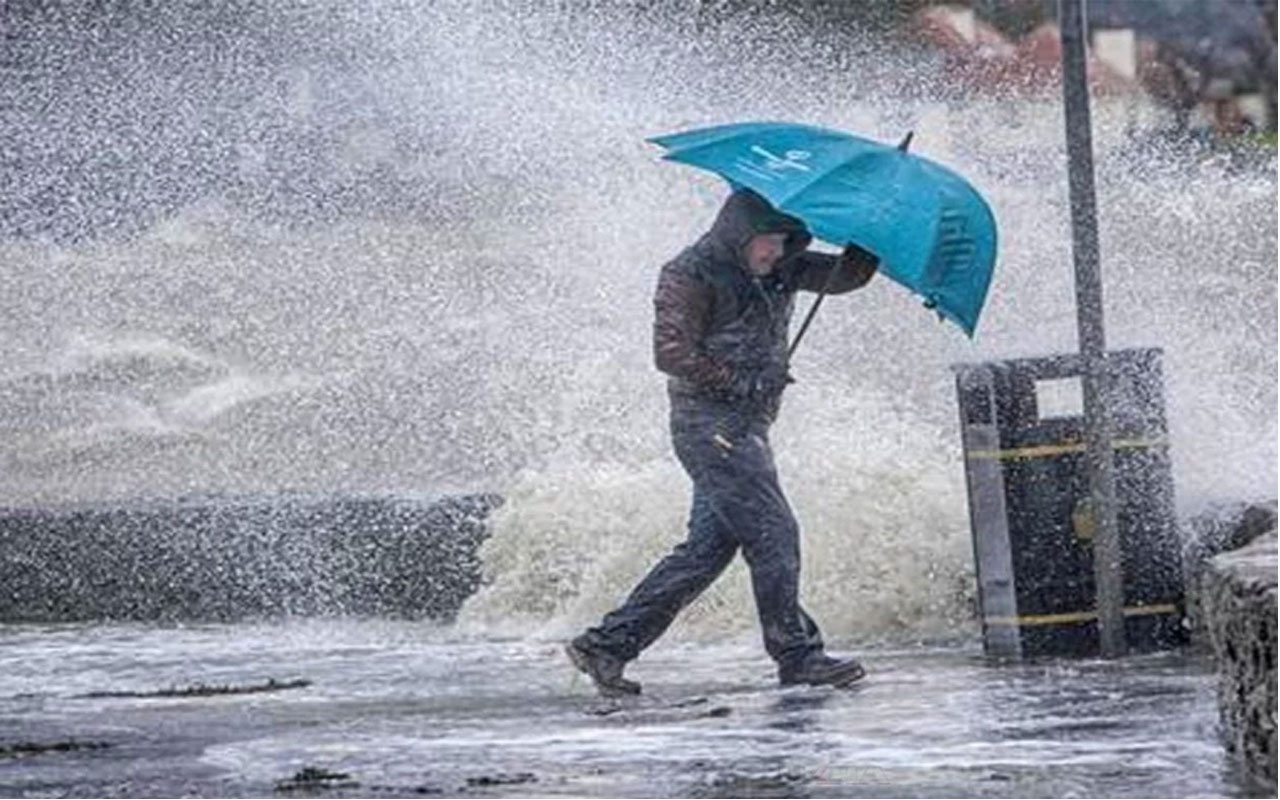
column 722, row 314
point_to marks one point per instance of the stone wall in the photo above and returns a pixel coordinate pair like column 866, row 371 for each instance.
column 1237, row 599
column 1220, row 528
column 222, row 559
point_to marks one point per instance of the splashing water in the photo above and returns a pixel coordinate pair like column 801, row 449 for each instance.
column 376, row 250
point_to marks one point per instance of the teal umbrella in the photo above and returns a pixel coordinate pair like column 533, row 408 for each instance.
column 931, row 230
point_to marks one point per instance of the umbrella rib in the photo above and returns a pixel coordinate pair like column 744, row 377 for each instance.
column 729, row 132
column 804, row 187
column 808, row 184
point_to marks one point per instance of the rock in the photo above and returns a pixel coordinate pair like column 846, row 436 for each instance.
column 222, row 559
column 1227, row 526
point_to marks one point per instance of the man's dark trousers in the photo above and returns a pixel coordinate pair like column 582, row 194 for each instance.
column 737, row 502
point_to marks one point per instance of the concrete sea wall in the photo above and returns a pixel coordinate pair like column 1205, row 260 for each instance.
column 224, row 559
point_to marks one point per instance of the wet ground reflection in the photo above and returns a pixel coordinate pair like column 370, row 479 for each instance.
column 405, row 709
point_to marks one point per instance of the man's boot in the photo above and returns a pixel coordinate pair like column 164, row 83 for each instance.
column 604, row 670
column 820, row 669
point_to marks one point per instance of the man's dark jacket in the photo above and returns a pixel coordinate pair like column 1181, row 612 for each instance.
column 716, row 326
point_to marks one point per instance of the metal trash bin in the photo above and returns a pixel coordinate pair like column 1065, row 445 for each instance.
column 1023, row 429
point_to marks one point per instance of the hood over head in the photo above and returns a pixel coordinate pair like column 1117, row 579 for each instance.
column 746, row 214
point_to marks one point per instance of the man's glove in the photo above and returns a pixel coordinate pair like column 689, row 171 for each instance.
column 759, row 385
column 859, row 263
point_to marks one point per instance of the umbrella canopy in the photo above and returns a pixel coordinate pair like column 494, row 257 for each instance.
column 931, row 230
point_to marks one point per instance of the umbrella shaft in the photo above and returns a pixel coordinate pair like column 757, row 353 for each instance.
column 805, row 325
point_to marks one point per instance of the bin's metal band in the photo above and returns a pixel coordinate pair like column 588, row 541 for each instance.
column 1027, row 620
column 1044, row 450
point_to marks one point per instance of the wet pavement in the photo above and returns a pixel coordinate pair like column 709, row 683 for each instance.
column 372, row 708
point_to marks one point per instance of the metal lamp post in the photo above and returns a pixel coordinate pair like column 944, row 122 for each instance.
column 1084, row 229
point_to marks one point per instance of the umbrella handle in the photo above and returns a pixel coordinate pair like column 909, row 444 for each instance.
column 805, row 325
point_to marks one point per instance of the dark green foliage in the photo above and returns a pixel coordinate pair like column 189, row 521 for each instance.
column 313, row 778
column 502, row 779
column 35, row 748
column 202, row 690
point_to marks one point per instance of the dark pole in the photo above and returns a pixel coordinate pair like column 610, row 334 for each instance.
column 1084, row 250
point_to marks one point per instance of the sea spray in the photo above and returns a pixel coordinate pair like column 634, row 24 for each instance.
column 572, row 541
column 412, row 250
